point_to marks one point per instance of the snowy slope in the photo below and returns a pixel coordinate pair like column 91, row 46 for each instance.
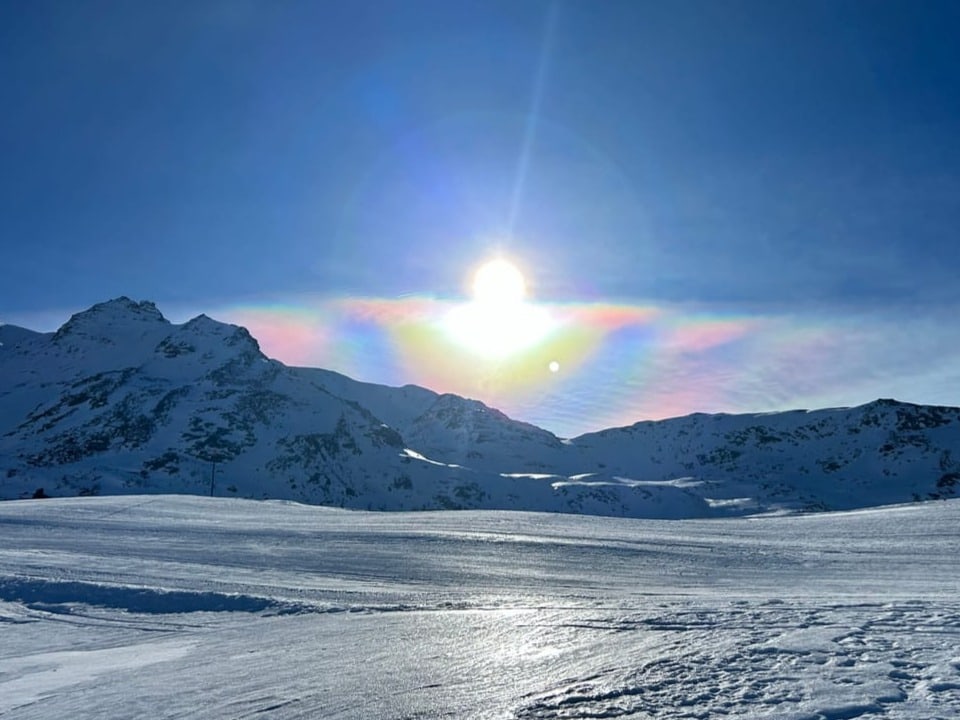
column 879, row 453
column 119, row 400
column 11, row 335
column 191, row 607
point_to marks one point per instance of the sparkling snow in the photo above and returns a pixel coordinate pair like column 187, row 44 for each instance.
column 181, row 607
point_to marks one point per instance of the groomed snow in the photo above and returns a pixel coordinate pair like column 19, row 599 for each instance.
column 187, row 607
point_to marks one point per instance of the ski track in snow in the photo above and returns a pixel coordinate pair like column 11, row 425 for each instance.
column 185, row 607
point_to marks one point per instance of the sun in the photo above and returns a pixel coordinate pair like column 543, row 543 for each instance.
column 499, row 321
column 499, row 282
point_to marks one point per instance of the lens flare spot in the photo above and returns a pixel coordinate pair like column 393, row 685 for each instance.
column 554, row 366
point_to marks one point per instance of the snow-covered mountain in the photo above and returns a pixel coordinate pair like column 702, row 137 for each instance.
column 119, row 400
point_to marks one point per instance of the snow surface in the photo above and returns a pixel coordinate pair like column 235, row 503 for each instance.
column 190, row 607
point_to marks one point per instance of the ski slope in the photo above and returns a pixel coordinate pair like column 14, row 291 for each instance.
column 190, row 607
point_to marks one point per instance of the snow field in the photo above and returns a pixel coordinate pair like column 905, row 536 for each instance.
column 187, row 607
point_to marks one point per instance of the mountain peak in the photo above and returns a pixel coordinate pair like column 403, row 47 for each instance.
column 885, row 402
column 123, row 304
column 107, row 316
column 202, row 322
column 231, row 335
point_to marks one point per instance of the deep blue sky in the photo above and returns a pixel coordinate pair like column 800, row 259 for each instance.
column 758, row 158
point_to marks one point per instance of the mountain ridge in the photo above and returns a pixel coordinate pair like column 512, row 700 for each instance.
column 121, row 400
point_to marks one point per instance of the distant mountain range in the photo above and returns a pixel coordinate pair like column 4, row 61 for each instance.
column 119, row 400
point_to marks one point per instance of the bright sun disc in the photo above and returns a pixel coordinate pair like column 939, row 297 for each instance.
column 498, row 321
column 499, row 282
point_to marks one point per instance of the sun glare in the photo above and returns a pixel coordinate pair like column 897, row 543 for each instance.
column 499, row 321
column 500, row 282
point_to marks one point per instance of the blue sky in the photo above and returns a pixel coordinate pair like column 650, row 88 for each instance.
column 787, row 172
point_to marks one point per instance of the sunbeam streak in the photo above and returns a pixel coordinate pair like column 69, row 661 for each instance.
column 533, row 117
